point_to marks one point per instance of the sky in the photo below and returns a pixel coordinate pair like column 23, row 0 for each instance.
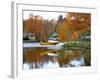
column 44, row 15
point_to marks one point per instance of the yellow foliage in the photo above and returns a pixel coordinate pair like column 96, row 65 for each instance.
column 64, row 28
column 74, row 36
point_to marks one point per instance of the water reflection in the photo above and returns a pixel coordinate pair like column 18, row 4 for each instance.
column 41, row 57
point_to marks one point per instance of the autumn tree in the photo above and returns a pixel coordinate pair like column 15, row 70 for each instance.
column 34, row 25
column 74, row 26
column 79, row 21
column 64, row 28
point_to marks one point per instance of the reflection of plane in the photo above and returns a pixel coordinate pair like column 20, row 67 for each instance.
column 50, row 42
column 52, row 54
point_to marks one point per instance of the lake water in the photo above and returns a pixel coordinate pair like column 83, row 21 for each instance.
column 54, row 57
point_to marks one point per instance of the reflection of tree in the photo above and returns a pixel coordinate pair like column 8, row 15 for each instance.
column 63, row 57
column 87, row 58
column 34, row 55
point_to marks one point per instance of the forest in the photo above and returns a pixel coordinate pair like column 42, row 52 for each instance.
column 72, row 27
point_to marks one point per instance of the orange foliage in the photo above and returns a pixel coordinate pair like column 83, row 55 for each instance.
column 74, row 36
column 64, row 28
column 74, row 25
column 82, row 20
column 33, row 26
